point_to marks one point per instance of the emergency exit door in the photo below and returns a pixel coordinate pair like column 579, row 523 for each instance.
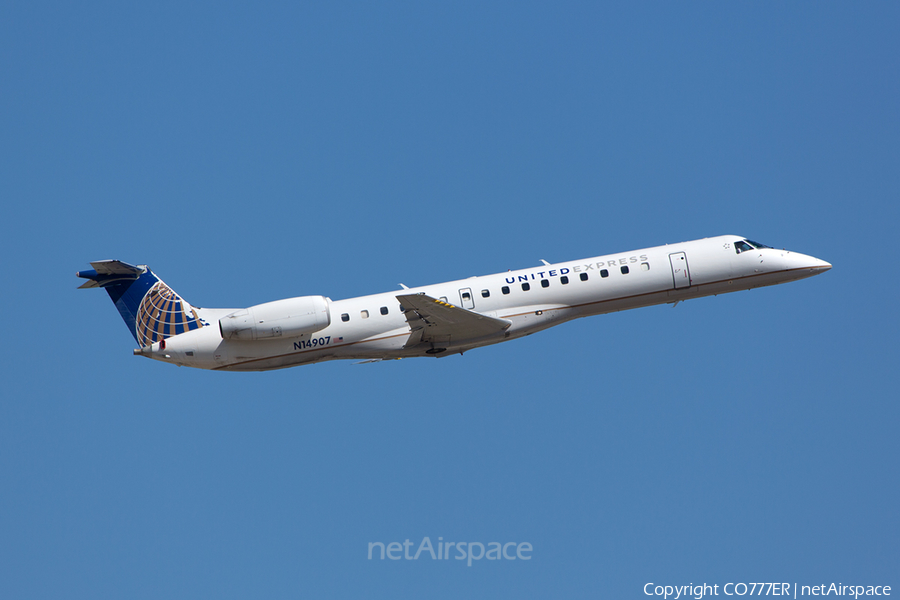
column 465, row 297
column 680, row 272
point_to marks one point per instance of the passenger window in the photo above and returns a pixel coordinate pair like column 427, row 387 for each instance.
column 624, row 270
column 364, row 314
column 584, row 276
column 645, row 266
column 505, row 289
column 742, row 247
column 545, row 283
column 384, row 310
column 604, row 273
column 467, row 296
column 564, row 280
column 345, row 317
column 485, row 293
column 526, row 286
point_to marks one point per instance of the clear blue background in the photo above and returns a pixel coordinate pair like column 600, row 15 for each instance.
column 249, row 153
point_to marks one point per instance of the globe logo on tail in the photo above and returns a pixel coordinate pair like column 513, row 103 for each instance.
column 162, row 314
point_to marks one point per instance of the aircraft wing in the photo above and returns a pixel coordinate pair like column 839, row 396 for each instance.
column 433, row 321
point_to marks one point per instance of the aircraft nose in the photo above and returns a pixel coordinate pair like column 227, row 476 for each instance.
column 815, row 265
column 822, row 265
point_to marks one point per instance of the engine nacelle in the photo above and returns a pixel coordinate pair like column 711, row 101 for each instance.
column 282, row 318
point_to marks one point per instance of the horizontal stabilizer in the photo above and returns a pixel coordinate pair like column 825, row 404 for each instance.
column 109, row 272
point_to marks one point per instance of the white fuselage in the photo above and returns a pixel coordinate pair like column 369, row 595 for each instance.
column 374, row 327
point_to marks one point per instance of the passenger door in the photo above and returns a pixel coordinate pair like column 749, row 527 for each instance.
column 681, row 275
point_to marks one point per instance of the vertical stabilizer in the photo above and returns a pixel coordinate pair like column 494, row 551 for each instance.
column 151, row 309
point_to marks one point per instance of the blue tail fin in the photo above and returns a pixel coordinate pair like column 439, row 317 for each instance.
column 150, row 308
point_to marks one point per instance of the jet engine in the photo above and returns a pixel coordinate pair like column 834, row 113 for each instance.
column 283, row 318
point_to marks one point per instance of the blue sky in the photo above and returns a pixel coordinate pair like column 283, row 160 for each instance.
column 249, row 153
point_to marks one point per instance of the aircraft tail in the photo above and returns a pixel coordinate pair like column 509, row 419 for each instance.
column 151, row 309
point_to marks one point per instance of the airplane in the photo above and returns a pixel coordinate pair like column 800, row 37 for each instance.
column 433, row 320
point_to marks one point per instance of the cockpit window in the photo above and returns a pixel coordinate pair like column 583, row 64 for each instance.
column 756, row 244
column 742, row 247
